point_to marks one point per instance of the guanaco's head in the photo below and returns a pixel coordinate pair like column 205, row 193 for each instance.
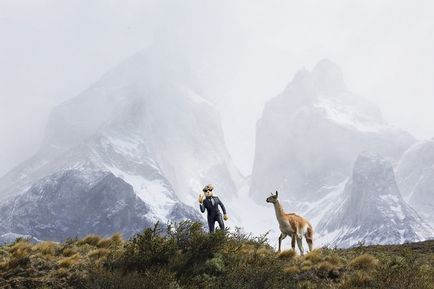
column 273, row 198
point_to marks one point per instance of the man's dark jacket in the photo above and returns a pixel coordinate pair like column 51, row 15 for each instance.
column 211, row 205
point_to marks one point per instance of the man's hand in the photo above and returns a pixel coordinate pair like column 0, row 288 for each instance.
column 225, row 217
column 201, row 197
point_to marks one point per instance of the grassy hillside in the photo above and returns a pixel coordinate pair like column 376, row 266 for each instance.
column 185, row 256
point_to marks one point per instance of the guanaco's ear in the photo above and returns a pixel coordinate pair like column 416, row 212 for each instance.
column 277, row 193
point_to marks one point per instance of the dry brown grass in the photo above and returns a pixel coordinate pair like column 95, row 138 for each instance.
column 46, row 248
column 92, row 240
column 314, row 256
column 247, row 249
column 357, row 280
column 364, row 261
column 69, row 261
column 325, row 266
column 117, row 238
column 291, row 270
column 306, row 265
column 287, row 254
column 104, row 243
column 264, row 252
column 4, row 264
column 333, row 259
column 98, row 253
column 21, row 249
column 68, row 252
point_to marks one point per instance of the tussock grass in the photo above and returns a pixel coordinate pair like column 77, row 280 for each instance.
column 104, row 243
column 325, row 266
column 364, row 261
column 358, row 279
column 117, row 238
column 21, row 249
column 69, row 261
column 68, row 251
column 46, row 248
column 333, row 259
column 98, row 253
column 4, row 264
column 91, row 240
column 291, row 270
column 187, row 257
column 314, row 256
column 287, row 254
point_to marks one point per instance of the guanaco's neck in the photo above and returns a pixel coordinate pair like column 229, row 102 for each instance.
column 279, row 210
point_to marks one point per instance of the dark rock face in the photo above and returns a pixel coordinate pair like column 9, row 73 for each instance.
column 75, row 203
column 371, row 208
column 310, row 135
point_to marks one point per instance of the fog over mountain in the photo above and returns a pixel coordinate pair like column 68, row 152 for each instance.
column 147, row 131
column 245, row 52
column 309, row 135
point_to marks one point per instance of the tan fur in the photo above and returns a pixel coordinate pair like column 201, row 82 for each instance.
column 293, row 225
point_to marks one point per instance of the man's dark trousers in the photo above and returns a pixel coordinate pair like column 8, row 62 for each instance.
column 211, row 205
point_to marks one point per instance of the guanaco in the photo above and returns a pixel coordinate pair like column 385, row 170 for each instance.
column 293, row 225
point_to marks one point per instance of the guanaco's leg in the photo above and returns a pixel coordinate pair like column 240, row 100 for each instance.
column 309, row 238
column 293, row 242
column 281, row 237
column 300, row 244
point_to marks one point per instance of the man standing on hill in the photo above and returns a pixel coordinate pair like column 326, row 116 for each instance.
column 211, row 203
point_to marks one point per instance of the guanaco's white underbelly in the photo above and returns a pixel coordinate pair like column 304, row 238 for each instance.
column 285, row 227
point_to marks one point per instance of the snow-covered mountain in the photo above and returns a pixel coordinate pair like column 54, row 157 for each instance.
column 143, row 124
column 415, row 177
column 310, row 135
column 367, row 208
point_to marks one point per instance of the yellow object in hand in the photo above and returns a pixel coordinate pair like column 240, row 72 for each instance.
column 201, row 197
column 225, row 217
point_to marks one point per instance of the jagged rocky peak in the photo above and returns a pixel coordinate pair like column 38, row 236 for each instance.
column 310, row 135
column 415, row 176
column 373, row 179
column 327, row 76
column 371, row 208
column 375, row 174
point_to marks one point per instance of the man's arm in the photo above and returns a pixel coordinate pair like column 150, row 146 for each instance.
column 202, row 208
column 201, row 205
column 222, row 206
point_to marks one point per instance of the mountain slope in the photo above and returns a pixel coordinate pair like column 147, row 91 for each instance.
column 415, row 177
column 75, row 203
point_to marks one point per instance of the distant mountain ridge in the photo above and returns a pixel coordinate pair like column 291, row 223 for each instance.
column 137, row 146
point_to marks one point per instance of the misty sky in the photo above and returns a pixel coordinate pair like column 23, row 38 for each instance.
column 50, row 50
